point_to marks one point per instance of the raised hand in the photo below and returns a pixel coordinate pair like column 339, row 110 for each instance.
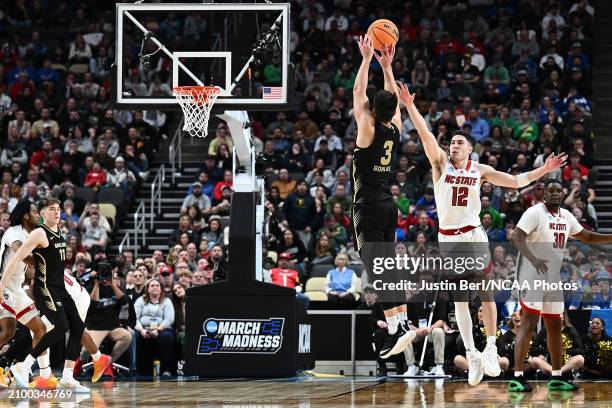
column 365, row 46
column 554, row 162
column 404, row 94
column 385, row 59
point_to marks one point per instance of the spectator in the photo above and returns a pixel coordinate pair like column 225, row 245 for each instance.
column 603, row 298
column 197, row 197
column 419, row 307
column 184, row 226
column 340, row 284
column 121, row 177
column 154, row 336
column 424, row 225
column 595, row 367
column 94, row 236
column 218, row 262
column 222, row 137
column 95, row 178
column 284, row 183
column 289, row 244
column 573, row 353
column 107, row 300
column 85, row 219
column 283, row 276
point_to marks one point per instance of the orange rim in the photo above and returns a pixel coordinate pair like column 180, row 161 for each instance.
column 200, row 94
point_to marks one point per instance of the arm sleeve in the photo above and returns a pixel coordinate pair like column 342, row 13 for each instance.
column 138, row 306
column 168, row 314
column 328, row 287
column 353, row 282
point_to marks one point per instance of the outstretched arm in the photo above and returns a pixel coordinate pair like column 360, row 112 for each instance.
column 385, row 60
column 501, row 179
column 591, row 237
column 434, row 153
column 361, row 108
column 36, row 238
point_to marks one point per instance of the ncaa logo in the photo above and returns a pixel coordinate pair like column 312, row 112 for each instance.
column 210, row 327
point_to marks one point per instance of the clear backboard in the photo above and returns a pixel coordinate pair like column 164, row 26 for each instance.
column 242, row 48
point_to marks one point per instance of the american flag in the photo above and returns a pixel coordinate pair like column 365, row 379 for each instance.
column 272, row 92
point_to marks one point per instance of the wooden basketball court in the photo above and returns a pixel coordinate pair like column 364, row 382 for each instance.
column 333, row 392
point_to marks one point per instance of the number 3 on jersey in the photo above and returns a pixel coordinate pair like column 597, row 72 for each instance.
column 460, row 195
column 386, row 159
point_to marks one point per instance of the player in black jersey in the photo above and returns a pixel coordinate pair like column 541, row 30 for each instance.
column 374, row 211
column 52, row 300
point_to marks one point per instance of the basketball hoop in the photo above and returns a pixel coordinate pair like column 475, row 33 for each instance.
column 196, row 102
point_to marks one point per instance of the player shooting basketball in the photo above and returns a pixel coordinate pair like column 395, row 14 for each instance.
column 457, row 181
column 374, row 211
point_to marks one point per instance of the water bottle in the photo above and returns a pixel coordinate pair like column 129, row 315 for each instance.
column 156, row 368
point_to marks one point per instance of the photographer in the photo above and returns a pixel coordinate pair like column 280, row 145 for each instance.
column 107, row 301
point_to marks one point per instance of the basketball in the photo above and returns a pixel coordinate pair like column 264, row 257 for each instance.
column 383, row 32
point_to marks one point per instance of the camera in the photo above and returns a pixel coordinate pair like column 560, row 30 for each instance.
column 105, row 271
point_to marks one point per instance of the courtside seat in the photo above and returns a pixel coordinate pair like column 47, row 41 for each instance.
column 85, row 193
column 109, row 211
column 317, row 296
column 315, row 289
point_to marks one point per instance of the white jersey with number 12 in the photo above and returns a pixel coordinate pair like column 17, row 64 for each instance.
column 457, row 194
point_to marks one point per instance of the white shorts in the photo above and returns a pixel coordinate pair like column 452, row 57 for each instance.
column 473, row 244
column 18, row 305
column 543, row 308
column 82, row 303
column 478, row 234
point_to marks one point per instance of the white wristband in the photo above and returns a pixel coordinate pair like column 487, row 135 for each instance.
column 522, row 180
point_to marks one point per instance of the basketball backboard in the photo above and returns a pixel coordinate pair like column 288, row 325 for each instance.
column 241, row 47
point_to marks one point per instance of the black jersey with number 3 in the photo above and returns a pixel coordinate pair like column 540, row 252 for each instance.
column 50, row 261
column 372, row 165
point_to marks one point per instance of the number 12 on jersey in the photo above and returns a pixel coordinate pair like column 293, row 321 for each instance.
column 460, row 195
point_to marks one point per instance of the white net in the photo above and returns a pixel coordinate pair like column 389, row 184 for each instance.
column 196, row 102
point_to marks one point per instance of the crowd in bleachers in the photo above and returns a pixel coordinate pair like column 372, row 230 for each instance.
column 515, row 74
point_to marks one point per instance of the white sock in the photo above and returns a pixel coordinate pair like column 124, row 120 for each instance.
column 392, row 321
column 491, row 340
column 464, row 321
column 43, row 364
column 96, row 356
column 518, row 373
column 402, row 317
column 556, row 373
column 45, row 372
column 67, row 373
column 29, row 361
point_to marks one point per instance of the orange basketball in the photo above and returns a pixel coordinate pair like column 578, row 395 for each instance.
column 383, row 32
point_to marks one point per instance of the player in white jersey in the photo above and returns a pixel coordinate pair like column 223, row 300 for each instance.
column 17, row 305
column 541, row 236
column 457, row 182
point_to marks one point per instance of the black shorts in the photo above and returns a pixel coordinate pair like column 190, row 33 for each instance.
column 56, row 305
column 374, row 222
column 374, row 226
